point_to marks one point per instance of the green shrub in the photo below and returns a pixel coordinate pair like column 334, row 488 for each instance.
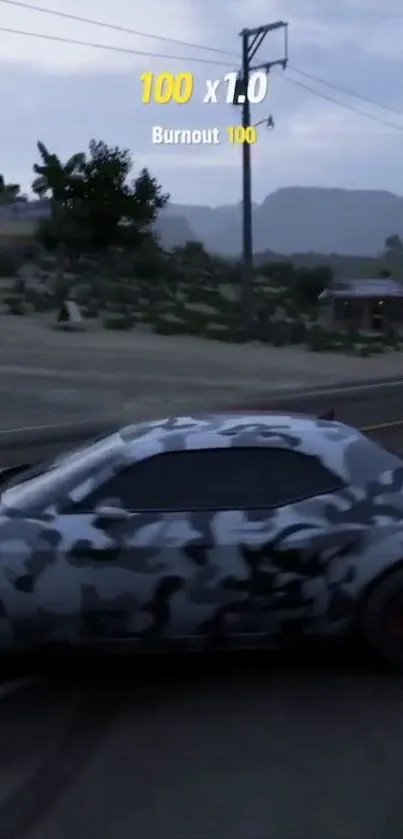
column 90, row 311
column 44, row 304
column 8, row 263
column 298, row 332
column 39, row 301
column 262, row 327
column 392, row 338
column 119, row 322
column 170, row 325
column 352, row 335
column 15, row 304
column 281, row 333
column 222, row 332
column 318, row 340
column 363, row 350
column 195, row 320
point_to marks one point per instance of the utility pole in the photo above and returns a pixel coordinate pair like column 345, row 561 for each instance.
column 252, row 39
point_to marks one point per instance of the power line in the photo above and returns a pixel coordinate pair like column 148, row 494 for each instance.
column 343, row 104
column 117, row 28
column 191, row 45
column 345, row 90
column 113, row 48
column 335, row 15
column 129, row 51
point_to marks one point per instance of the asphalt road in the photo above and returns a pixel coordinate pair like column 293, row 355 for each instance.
column 213, row 749
column 362, row 406
column 241, row 747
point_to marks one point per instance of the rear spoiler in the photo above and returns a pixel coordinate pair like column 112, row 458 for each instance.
column 329, row 415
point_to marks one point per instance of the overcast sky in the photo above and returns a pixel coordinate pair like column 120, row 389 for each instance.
column 64, row 94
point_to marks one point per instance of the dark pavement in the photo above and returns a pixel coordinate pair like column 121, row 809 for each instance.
column 226, row 748
column 361, row 406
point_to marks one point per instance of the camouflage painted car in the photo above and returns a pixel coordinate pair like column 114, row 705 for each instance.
column 229, row 530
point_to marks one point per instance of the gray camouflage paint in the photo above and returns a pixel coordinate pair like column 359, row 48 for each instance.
column 243, row 577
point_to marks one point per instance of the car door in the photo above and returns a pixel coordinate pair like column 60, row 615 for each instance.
column 146, row 553
column 163, row 550
column 225, row 546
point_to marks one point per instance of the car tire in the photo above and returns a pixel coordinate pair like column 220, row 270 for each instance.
column 381, row 620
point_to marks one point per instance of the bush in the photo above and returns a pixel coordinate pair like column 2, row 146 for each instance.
column 40, row 302
column 262, row 327
column 90, row 311
column 143, row 316
column 280, row 333
column 319, row 340
column 15, row 304
column 196, row 321
column 363, row 350
column 297, row 332
column 8, row 263
column 121, row 323
column 221, row 332
column 170, row 325
column 44, row 304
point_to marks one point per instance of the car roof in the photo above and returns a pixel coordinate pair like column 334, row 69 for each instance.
column 219, row 423
column 229, row 429
column 344, row 450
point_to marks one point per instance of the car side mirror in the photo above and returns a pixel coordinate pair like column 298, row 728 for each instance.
column 112, row 513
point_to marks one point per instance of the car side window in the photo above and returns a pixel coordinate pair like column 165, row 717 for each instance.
column 216, row 479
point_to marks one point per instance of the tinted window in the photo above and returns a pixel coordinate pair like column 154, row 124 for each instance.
column 218, row 479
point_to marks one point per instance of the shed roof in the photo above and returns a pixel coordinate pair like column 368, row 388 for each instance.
column 381, row 287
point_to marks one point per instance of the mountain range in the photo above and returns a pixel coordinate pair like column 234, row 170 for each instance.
column 292, row 220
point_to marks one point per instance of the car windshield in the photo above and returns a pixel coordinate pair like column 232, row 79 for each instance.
column 65, row 471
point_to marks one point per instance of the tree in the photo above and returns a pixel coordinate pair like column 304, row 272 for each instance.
column 280, row 273
column 58, row 181
column 95, row 206
column 394, row 245
column 113, row 210
column 309, row 283
column 10, row 193
column 194, row 253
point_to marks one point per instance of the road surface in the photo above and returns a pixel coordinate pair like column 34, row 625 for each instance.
column 218, row 749
column 361, row 405
column 51, row 376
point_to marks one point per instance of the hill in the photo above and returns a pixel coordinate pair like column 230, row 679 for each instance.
column 300, row 220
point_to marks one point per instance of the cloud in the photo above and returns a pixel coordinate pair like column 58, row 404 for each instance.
column 65, row 94
column 172, row 19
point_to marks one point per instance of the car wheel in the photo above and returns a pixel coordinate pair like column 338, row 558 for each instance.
column 382, row 620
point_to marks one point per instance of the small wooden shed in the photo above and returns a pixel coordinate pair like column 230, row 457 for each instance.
column 372, row 306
